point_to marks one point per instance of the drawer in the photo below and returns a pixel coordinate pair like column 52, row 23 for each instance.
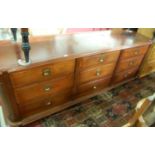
column 42, row 73
column 43, row 89
column 122, row 76
column 104, row 58
column 94, row 86
column 96, row 72
column 129, row 63
column 132, row 52
column 41, row 104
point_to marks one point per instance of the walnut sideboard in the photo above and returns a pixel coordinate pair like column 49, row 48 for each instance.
column 65, row 70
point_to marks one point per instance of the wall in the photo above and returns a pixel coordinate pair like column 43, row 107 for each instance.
column 148, row 32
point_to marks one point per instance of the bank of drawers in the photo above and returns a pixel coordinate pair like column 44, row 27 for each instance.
column 129, row 63
column 96, row 71
column 51, row 85
column 40, row 88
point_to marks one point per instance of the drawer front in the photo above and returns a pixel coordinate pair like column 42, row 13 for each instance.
column 122, row 76
column 94, row 86
column 41, row 104
column 42, row 73
column 96, row 72
column 94, row 60
column 129, row 63
column 48, row 88
column 132, row 52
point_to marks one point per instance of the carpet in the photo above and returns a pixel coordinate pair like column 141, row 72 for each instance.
column 109, row 109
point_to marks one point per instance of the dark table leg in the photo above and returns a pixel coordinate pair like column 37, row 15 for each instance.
column 25, row 43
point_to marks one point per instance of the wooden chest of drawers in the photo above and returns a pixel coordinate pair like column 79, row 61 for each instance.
column 67, row 72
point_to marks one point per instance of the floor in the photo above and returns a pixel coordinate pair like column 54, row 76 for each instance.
column 2, row 120
column 109, row 109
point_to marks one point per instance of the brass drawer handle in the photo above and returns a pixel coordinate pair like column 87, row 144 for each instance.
column 101, row 59
column 46, row 72
column 98, row 73
column 48, row 103
column 47, row 88
column 94, row 87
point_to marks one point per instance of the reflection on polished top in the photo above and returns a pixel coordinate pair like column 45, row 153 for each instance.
column 46, row 48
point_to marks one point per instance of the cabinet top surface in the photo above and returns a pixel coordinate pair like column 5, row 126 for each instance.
column 58, row 47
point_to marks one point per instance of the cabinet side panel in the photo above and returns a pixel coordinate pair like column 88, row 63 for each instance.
column 8, row 98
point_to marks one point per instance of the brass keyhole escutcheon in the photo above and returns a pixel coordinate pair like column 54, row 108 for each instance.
column 48, row 103
column 46, row 72
column 47, row 88
column 94, row 87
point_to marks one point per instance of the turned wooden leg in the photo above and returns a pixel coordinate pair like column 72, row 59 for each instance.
column 14, row 33
column 25, row 43
column 25, row 47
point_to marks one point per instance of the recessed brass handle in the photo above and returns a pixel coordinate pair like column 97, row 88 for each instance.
column 47, row 88
column 94, row 87
column 98, row 73
column 101, row 59
column 46, row 72
column 48, row 103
